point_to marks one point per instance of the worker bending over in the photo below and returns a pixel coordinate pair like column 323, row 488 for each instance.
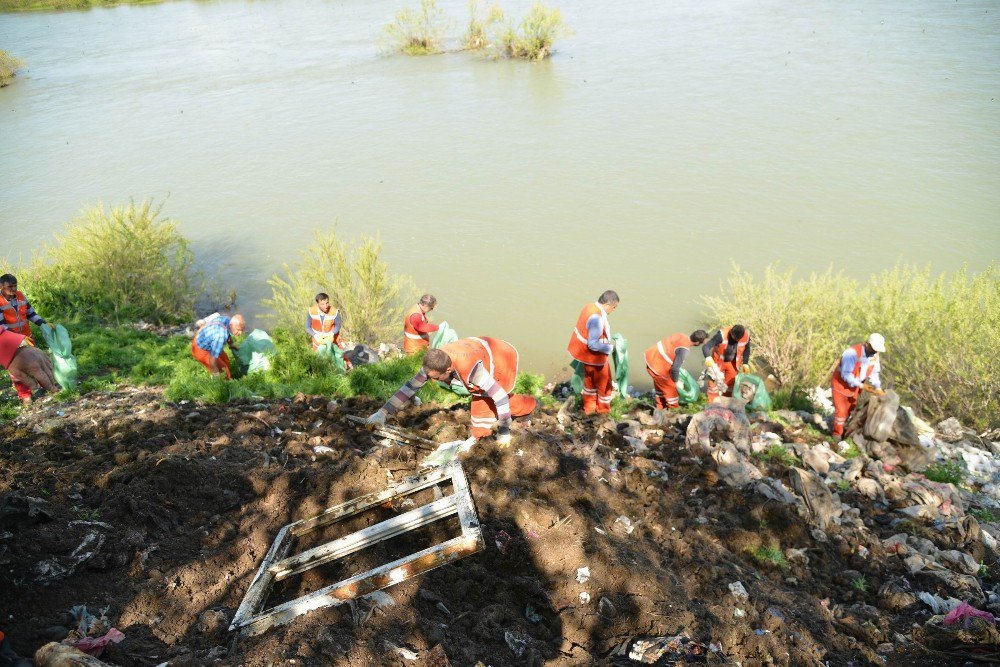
column 664, row 362
column 214, row 333
column 858, row 370
column 323, row 323
column 487, row 367
column 17, row 316
column 590, row 344
column 729, row 350
column 28, row 366
column 417, row 329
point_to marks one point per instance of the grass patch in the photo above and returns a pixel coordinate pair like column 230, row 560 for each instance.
column 9, row 65
column 417, row 32
column 852, row 451
column 984, row 515
column 843, row 486
column 769, row 555
column 778, row 454
column 791, row 399
column 800, row 327
column 860, row 584
column 948, row 472
column 121, row 264
column 912, row 528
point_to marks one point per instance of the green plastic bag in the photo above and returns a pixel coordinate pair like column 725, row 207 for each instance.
column 255, row 352
column 619, row 354
column 687, row 388
column 761, row 399
column 444, row 335
column 61, row 349
column 335, row 353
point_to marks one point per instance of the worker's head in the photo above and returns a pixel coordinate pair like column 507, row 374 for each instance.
column 237, row 325
column 427, row 303
column 875, row 343
column 609, row 301
column 437, row 364
column 8, row 285
column 323, row 301
column 736, row 333
column 699, row 337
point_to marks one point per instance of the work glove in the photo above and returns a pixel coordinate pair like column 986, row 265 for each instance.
column 503, row 435
column 377, row 418
column 467, row 444
column 745, row 369
column 873, row 390
column 709, row 362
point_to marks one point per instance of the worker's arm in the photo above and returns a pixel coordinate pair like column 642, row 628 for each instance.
column 707, row 348
column 420, row 325
column 34, row 317
column 337, row 322
column 746, row 354
column 847, row 362
column 875, row 379
column 680, row 354
column 213, row 365
column 595, row 329
column 309, row 329
column 405, row 393
column 482, row 379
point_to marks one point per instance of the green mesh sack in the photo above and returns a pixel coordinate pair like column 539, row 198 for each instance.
column 255, row 352
column 64, row 365
column 444, row 335
column 687, row 388
column 761, row 399
column 619, row 354
column 335, row 353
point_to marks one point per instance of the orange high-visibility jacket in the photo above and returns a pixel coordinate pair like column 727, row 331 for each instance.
column 15, row 313
column 413, row 340
column 837, row 383
column 719, row 351
column 498, row 357
column 660, row 357
column 323, row 322
column 578, row 341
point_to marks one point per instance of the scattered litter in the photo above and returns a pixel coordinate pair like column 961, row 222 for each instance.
column 606, row 608
column 503, row 539
column 531, row 614
column 584, row 597
column 965, row 611
column 739, row 591
column 862, row 551
column 583, row 574
column 760, row 632
column 938, row 604
column 448, row 452
column 444, row 609
column 661, row 650
column 623, row 524
column 738, row 613
column 95, row 645
column 517, row 642
column 404, row 652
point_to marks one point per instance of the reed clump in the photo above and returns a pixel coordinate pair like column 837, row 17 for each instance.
column 120, row 264
column 942, row 331
column 9, row 65
column 531, row 39
column 417, row 32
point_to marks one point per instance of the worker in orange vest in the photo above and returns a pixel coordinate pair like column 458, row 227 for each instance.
column 729, row 351
column 8, row 658
column 590, row 344
column 487, row 368
column 857, row 371
column 417, row 329
column 323, row 323
column 664, row 362
column 17, row 316
column 28, row 366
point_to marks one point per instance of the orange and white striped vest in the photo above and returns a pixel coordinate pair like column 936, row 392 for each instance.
column 498, row 357
column 15, row 313
column 323, row 323
column 660, row 357
column 719, row 351
column 837, row 383
column 578, row 341
column 413, row 340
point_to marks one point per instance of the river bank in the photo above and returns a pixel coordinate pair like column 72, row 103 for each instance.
column 179, row 500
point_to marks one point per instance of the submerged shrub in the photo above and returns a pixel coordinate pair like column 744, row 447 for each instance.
column 371, row 299
column 481, row 25
column 533, row 38
column 942, row 332
column 120, row 264
column 417, row 33
column 9, row 65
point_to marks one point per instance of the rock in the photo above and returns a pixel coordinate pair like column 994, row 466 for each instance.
column 818, row 500
column 815, row 459
column 885, row 453
column 893, row 597
column 870, row 489
column 212, row 622
column 950, row 430
column 733, row 468
column 904, row 431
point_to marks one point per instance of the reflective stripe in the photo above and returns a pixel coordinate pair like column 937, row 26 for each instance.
column 416, row 336
column 579, row 337
column 659, row 348
column 489, row 353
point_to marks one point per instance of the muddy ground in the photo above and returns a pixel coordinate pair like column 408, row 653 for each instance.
column 179, row 503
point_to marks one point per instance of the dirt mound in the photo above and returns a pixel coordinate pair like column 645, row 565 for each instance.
column 177, row 504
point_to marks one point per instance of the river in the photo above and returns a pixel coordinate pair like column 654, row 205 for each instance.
column 662, row 142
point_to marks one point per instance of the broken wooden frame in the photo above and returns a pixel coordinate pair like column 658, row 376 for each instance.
column 393, row 433
column 278, row 565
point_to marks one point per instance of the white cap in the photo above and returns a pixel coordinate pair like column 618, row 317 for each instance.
column 877, row 341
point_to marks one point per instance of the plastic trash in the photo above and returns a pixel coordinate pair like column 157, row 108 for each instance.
column 661, row 650
column 64, row 365
column 255, row 353
column 583, row 574
column 361, row 355
column 739, row 591
column 760, row 399
column 444, row 335
column 619, row 354
column 95, row 645
column 448, row 451
column 966, row 612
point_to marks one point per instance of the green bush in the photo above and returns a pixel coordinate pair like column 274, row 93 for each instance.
column 942, row 332
column 9, row 65
column 417, row 33
column 532, row 39
column 371, row 300
column 481, row 23
column 778, row 454
column 122, row 264
column 769, row 555
column 948, row 472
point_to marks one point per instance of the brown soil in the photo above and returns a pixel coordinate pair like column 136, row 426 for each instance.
column 189, row 497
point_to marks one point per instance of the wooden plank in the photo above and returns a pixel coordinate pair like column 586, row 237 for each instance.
column 348, row 544
column 364, row 583
column 408, row 486
column 393, row 432
column 261, row 583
